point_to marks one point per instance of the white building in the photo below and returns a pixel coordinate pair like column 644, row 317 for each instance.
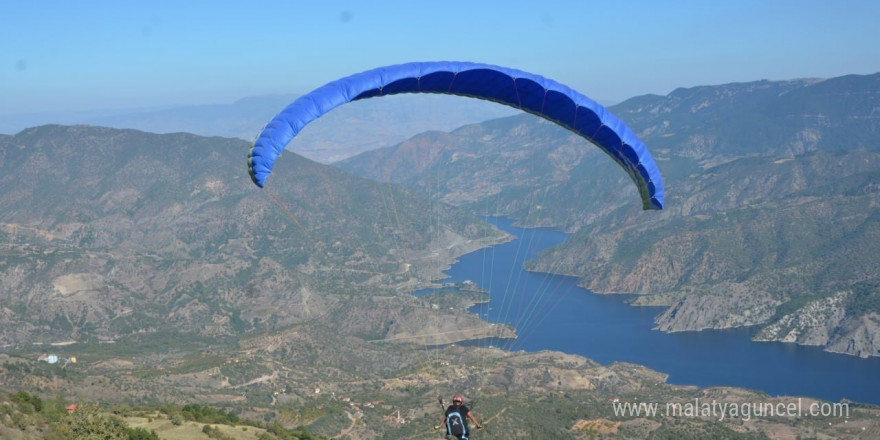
column 50, row 358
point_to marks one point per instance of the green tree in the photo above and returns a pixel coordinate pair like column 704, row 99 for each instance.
column 27, row 403
column 88, row 423
column 55, row 409
column 140, row 434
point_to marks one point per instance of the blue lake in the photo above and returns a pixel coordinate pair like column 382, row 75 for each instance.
column 550, row 312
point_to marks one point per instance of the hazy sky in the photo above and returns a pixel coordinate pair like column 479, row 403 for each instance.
column 84, row 55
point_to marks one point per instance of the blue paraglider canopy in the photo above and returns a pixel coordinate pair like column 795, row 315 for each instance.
column 522, row 90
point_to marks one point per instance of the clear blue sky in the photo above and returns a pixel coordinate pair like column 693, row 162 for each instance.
column 95, row 54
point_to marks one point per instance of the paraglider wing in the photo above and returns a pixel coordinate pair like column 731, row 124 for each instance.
column 518, row 89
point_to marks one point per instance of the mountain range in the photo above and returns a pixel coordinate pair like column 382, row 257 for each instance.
column 343, row 132
column 109, row 232
column 770, row 221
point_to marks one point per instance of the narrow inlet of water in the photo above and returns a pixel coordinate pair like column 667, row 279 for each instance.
column 550, row 312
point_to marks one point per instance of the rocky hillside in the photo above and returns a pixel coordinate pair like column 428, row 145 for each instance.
column 771, row 197
column 107, row 232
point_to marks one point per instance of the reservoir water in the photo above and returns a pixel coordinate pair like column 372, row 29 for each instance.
column 550, row 312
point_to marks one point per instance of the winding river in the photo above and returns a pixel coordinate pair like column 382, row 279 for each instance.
column 550, row 312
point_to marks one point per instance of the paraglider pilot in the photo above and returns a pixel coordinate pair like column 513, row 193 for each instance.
column 455, row 420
